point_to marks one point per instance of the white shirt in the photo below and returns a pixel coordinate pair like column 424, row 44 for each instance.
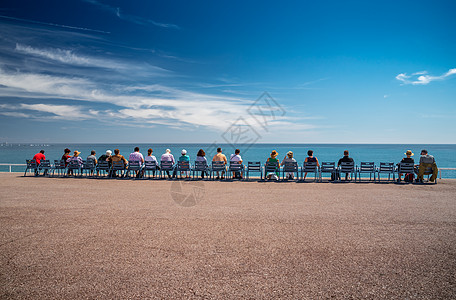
column 235, row 157
column 151, row 158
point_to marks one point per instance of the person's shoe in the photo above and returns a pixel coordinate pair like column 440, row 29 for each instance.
column 223, row 178
column 217, row 178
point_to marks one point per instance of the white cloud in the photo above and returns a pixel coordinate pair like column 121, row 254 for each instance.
column 421, row 78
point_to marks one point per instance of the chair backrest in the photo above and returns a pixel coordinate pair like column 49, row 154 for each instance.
column 134, row 165
column 328, row 167
column 183, row 165
column 406, row 168
column 254, row 166
column 88, row 164
column 103, row 165
column 386, row 167
column 347, row 167
column 45, row 164
column 150, row 165
column 367, row 167
column 290, row 166
column 31, row 163
column 309, row 166
column 200, row 165
column 118, row 165
column 271, row 167
column 73, row 164
column 218, row 166
column 59, row 164
column 166, row 165
column 235, row 166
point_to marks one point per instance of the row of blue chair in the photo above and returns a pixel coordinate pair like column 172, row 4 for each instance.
column 104, row 168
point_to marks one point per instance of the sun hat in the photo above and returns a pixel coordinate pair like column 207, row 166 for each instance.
column 274, row 153
column 183, row 152
column 290, row 154
column 108, row 152
column 76, row 153
column 409, row 152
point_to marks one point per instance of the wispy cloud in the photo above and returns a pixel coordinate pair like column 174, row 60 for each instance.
column 130, row 18
column 422, row 77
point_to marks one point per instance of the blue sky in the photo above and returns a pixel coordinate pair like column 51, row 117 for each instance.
column 191, row 71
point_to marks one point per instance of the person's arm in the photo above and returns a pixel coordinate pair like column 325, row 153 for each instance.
column 318, row 164
column 305, row 160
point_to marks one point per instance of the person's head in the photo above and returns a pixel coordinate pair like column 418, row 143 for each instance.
column 92, row 152
column 409, row 153
column 136, row 149
column 310, row 153
column 290, row 154
column 42, row 151
column 76, row 153
column 201, row 153
column 237, row 151
column 219, row 150
column 66, row 151
column 108, row 152
column 424, row 152
column 345, row 152
column 149, row 151
column 184, row 152
column 116, row 151
column 274, row 154
column 168, row 151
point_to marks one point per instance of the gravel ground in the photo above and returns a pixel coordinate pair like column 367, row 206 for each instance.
column 67, row 238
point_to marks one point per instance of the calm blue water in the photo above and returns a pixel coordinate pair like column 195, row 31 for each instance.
column 445, row 155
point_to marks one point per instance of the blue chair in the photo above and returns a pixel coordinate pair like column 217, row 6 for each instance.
column 218, row 167
column 183, row 166
column 60, row 167
column 365, row 168
column 118, row 166
column 166, row 166
column 31, row 165
column 290, row 167
column 134, row 166
column 271, row 167
column 237, row 167
column 405, row 168
column 103, row 167
column 328, row 167
column 45, row 165
column 200, row 166
column 150, row 167
column 347, row 168
column 386, row 168
column 73, row 166
column 309, row 167
column 88, row 167
column 253, row 167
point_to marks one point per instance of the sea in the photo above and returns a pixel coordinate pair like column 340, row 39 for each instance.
column 445, row 154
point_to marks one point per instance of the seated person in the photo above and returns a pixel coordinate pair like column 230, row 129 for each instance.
column 151, row 157
column 116, row 158
column 310, row 158
column 186, row 158
column 38, row 158
column 427, row 162
column 346, row 158
column 288, row 159
column 167, row 156
column 407, row 159
column 201, row 156
column 273, row 160
column 137, row 156
column 220, row 157
column 236, row 158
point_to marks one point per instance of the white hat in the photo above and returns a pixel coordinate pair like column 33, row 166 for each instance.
column 168, row 151
column 183, row 152
column 108, row 152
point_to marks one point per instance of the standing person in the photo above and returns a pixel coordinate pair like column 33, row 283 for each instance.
column 311, row 158
column 167, row 156
column 271, row 161
column 93, row 158
column 407, row 159
column 136, row 156
column 65, row 157
column 346, row 158
column 117, row 157
column 183, row 158
column 37, row 158
column 150, row 157
column 287, row 159
column 201, row 156
column 236, row 158
column 220, row 157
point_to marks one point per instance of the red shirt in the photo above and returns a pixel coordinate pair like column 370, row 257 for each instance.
column 38, row 157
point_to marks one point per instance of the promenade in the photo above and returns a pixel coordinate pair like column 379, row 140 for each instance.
column 72, row 238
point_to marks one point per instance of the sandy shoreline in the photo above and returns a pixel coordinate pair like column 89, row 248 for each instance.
column 83, row 238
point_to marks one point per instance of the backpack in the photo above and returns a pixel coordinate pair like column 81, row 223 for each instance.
column 408, row 177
